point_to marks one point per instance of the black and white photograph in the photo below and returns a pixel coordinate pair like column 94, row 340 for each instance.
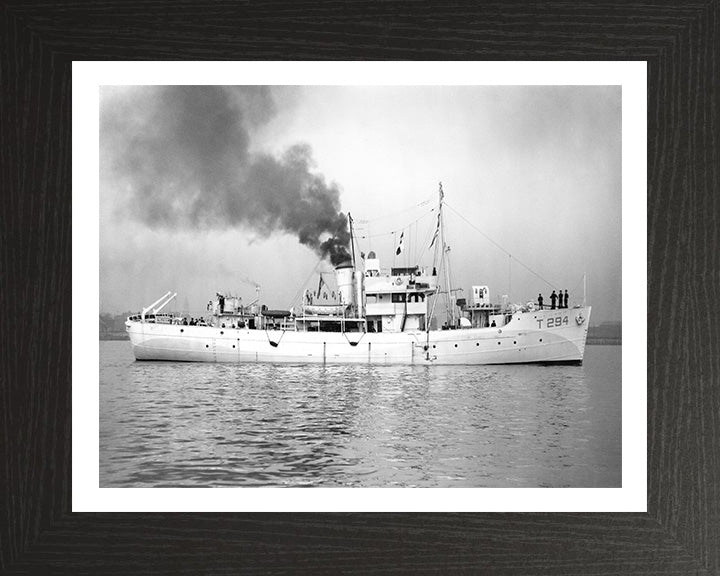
column 410, row 288
column 360, row 286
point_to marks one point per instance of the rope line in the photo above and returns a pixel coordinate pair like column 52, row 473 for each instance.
column 391, row 232
column 304, row 284
column 577, row 285
column 402, row 211
column 500, row 247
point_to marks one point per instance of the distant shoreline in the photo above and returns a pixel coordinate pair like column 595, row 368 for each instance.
column 114, row 336
column 604, row 341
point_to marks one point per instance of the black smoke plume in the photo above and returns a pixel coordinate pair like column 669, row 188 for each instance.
column 184, row 154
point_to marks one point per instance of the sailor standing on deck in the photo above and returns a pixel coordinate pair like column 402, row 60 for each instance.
column 553, row 299
column 540, row 301
column 566, row 299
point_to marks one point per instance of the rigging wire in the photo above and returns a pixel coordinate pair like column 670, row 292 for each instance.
column 409, row 244
column 439, row 271
column 391, row 232
column 578, row 284
column 304, row 284
column 500, row 247
column 428, row 235
column 397, row 212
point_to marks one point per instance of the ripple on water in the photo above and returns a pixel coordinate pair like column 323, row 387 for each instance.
column 185, row 424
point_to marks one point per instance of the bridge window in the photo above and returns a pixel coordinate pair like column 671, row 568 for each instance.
column 416, row 298
column 398, row 297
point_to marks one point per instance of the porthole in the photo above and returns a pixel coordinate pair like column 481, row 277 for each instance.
column 498, row 343
column 233, row 345
column 540, row 339
column 182, row 330
column 207, row 345
column 221, row 332
column 434, row 346
column 514, row 341
column 455, row 345
column 477, row 343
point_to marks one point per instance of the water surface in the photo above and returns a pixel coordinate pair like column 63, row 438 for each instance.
column 191, row 424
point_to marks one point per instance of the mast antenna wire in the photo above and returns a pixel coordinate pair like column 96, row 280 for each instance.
column 397, row 212
column 499, row 247
column 391, row 232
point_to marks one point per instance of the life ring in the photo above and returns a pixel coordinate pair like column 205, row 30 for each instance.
column 531, row 306
column 579, row 319
column 398, row 280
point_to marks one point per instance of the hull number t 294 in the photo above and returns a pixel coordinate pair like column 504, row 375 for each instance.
column 554, row 322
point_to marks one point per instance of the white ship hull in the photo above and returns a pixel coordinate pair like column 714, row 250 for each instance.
column 540, row 336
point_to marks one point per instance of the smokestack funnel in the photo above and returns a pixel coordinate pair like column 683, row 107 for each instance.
column 344, row 278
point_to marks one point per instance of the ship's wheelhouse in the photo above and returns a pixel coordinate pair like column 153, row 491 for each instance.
column 397, row 301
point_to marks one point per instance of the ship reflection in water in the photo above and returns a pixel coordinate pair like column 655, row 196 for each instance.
column 203, row 425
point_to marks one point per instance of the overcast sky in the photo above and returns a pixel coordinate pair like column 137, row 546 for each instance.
column 207, row 189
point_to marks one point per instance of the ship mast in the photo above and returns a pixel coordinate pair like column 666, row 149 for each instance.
column 438, row 246
column 352, row 240
column 444, row 264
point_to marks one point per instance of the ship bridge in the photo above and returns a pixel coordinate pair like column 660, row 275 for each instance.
column 396, row 299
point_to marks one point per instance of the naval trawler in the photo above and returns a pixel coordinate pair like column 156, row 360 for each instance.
column 378, row 316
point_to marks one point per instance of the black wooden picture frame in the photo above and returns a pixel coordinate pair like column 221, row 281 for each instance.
column 680, row 533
